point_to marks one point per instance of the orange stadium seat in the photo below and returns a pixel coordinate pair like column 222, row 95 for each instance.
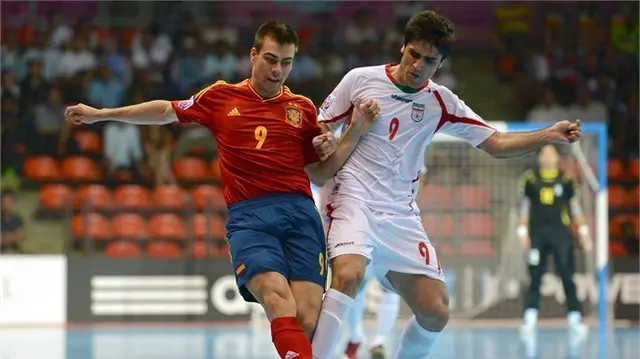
column 171, row 196
column 615, row 226
column 435, row 198
column 200, row 228
column 163, row 249
column 129, row 226
column 88, row 141
column 438, row 225
column 473, row 197
column 93, row 196
column 617, row 249
column 167, row 226
column 123, row 249
column 41, row 168
column 191, row 169
column 79, row 168
column 56, row 196
column 218, row 227
column 208, row 197
column 634, row 168
column 617, row 197
column 616, row 169
column 94, row 225
column 477, row 225
column 132, row 196
column 215, row 167
column 201, row 250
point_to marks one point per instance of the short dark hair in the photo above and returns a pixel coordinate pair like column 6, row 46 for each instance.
column 431, row 27
column 282, row 33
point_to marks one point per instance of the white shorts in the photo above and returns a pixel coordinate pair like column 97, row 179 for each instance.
column 390, row 242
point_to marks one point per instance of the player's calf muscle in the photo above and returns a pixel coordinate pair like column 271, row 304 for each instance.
column 272, row 290
column 348, row 273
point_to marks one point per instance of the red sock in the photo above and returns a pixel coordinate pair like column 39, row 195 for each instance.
column 289, row 339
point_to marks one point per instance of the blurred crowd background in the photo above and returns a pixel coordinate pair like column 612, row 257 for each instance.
column 520, row 61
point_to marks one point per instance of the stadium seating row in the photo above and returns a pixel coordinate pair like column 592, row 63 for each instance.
column 621, row 198
column 617, row 170
column 132, row 226
column 59, row 196
column 165, row 249
column 82, row 168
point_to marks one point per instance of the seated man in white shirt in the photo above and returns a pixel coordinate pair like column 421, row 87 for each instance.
column 123, row 151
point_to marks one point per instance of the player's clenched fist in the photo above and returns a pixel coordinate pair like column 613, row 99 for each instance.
column 365, row 114
column 565, row 132
column 325, row 145
column 81, row 113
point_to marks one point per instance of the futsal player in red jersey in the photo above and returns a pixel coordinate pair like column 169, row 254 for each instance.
column 269, row 145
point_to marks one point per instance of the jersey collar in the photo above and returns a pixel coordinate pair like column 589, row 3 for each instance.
column 260, row 97
column 403, row 88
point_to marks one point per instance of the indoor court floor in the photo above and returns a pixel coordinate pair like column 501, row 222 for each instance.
column 240, row 342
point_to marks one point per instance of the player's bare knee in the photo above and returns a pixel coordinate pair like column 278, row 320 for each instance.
column 278, row 303
column 274, row 295
column 348, row 273
column 433, row 315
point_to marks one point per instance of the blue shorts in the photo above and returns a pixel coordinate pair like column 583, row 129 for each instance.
column 281, row 233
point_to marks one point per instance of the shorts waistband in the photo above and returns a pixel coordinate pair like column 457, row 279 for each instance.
column 266, row 200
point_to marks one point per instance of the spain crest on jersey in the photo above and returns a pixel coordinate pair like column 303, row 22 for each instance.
column 293, row 116
column 417, row 112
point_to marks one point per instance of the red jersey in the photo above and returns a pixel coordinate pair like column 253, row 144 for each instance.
column 263, row 145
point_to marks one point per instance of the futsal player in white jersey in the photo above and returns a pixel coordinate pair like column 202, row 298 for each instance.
column 372, row 211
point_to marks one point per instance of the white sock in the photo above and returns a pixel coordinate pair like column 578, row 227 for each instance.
column 416, row 342
column 335, row 309
column 386, row 316
column 574, row 318
column 355, row 319
column 531, row 317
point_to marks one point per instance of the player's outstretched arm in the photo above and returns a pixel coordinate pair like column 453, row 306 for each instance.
column 365, row 113
column 511, row 144
column 157, row 112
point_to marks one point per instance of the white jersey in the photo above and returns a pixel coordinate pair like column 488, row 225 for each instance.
column 383, row 170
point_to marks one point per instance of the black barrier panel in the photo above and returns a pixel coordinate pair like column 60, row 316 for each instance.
column 145, row 290
column 627, row 288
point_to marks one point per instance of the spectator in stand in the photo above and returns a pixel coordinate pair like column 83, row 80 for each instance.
column 12, row 226
column 9, row 86
column 220, row 63
column 105, row 90
column 151, row 48
column 218, row 30
column 157, row 147
column 548, row 110
column 624, row 31
column 10, row 52
column 187, row 66
column 76, row 58
column 48, row 124
column 34, row 88
column 327, row 37
column 61, row 33
column 123, row 154
column 13, row 136
column 587, row 110
column 117, row 63
column 362, row 30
